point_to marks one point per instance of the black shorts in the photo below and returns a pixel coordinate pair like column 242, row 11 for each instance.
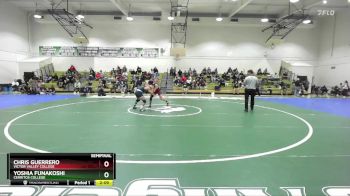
column 138, row 94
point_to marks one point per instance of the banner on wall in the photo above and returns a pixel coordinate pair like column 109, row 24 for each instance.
column 82, row 51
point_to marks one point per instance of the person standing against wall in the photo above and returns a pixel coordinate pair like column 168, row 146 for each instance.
column 250, row 84
column 297, row 87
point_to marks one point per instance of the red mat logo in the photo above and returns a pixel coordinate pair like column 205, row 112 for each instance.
column 168, row 109
column 174, row 110
column 162, row 187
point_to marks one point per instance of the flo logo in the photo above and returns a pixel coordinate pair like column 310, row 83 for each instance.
column 325, row 12
column 174, row 110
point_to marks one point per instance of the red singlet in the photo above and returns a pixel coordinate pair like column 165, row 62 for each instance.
column 157, row 91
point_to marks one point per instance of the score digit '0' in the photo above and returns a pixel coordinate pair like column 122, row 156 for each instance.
column 106, row 174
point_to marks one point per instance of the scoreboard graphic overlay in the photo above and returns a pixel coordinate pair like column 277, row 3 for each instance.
column 80, row 169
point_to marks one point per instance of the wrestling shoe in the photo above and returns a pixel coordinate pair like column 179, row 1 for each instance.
column 142, row 109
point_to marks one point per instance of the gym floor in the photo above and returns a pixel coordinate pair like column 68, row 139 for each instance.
column 201, row 141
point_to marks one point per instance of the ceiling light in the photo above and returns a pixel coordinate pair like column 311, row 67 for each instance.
column 324, row 1
column 80, row 17
column 219, row 19
column 171, row 16
column 129, row 16
column 264, row 20
column 38, row 16
column 307, row 21
column 294, row 1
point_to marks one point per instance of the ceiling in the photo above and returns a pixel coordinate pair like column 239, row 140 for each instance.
column 204, row 8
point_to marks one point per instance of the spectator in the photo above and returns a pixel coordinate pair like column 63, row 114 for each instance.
column 60, row 82
column 346, row 88
column 335, row 91
column 71, row 73
column 241, row 76
column 204, row 71
column 99, row 75
column 341, row 89
column 72, row 69
column 302, row 89
column 179, row 73
column 113, row 72
column 306, row 84
column 297, row 87
column 104, row 83
column 189, row 82
column 283, row 88
column 201, row 83
column 33, row 86
column 177, row 81
column 236, row 86
column 324, row 90
column 42, row 90
column 123, row 86
column 88, row 88
column 139, row 70
column 275, row 76
column 315, row 90
column 183, row 79
column 113, row 86
column 124, row 69
column 259, row 72
column 125, row 74
column 208, row 70
column 52, row 90
column 15, row 85
column 77, row 86
column 185, row 88
column 190, row 72
column 155, row 70
column 92, row 73
column 55, row 77
column 265, row 72
column 194, row 72
column 118, row 71
column 173, row 71
column 100, row 91
column 221, row 82
column 185, row 73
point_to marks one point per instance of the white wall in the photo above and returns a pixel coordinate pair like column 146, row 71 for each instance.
column 32, row 64
column 245, row 48
column 81, row 63
column 334, row 49
column 13, row 40
column 212, row 45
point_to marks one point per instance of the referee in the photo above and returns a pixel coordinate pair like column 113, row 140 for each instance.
column 250, row 85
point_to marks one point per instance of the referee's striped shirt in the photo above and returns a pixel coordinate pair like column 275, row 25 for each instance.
column 251, row 82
